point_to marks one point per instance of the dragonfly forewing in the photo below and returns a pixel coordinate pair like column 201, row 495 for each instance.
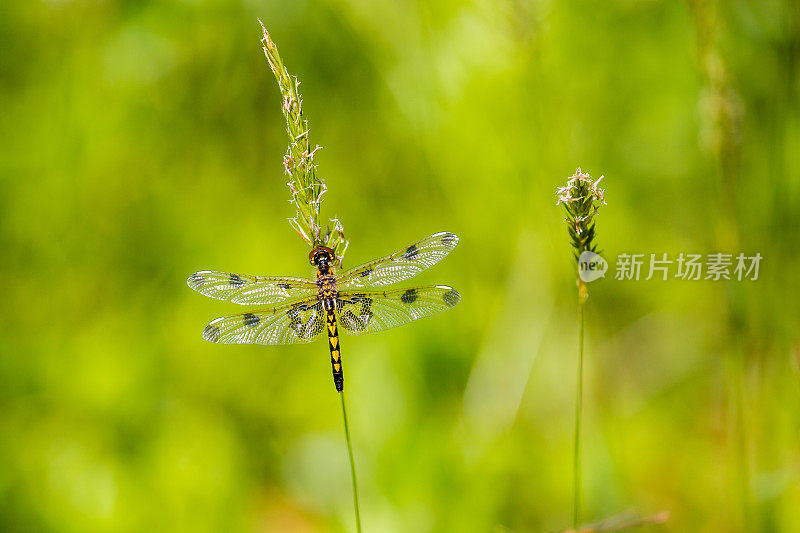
column 401, row 265
column 245, row 289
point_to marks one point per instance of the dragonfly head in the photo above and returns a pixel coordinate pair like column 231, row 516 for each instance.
column 322, row 257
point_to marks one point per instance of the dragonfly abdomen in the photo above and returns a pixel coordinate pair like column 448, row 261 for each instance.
column 333, row 344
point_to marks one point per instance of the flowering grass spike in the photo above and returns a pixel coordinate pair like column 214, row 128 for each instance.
column 306, row 188
column 582, row 198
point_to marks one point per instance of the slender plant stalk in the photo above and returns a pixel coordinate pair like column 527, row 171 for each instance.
column 352, row 463
column 576, row 455
column 582, row 198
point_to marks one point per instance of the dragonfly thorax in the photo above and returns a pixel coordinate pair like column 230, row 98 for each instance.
column 326, row 291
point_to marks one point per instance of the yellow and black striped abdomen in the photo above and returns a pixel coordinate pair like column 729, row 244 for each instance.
column 333, row 344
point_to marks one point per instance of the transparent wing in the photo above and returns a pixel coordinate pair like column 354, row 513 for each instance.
column 250, row 290
column 401, row 265
column 371, row 311
column 297, row 322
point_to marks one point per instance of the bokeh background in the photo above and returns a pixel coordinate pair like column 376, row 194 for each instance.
column 141, row 141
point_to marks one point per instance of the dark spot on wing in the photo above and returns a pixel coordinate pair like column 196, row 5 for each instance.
column 451, row 297
column 409, row 296
column 196, row 280
column 312, row 326
column 351, row 322
column 449, row 238
column 411, row 252
column 236, row 281
column 284, row 286
column 251, row 320
column 366, row 310
column 294, row 321
column 358, row 313
column 366, row 273
column 211, row 333
column 315, row 323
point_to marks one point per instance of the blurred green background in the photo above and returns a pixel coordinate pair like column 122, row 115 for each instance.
column 141, row 141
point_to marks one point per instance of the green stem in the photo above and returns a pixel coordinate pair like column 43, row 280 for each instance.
column 576, row 460
column 352, row 463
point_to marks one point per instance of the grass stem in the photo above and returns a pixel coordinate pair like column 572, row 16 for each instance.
column 352, row 463
column 576, row 456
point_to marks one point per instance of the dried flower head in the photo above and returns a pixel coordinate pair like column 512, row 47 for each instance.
column 298, row 163
column 582, row 198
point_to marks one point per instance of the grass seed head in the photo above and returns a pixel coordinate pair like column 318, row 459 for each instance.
column 582, row 198
column 305, row 187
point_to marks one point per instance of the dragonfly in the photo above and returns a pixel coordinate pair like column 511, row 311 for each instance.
column 297, row 310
